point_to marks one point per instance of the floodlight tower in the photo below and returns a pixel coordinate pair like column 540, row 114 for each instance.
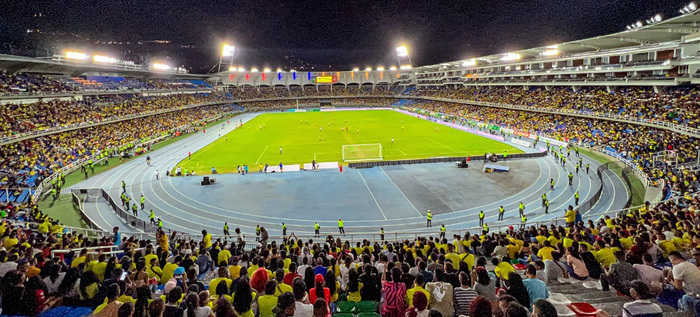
column 226, row 52
column 403, row 57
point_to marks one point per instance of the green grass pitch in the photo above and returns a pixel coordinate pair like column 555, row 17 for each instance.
column 258, row 141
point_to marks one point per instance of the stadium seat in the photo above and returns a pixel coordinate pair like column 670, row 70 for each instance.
column 346, row 307
column 367, row 306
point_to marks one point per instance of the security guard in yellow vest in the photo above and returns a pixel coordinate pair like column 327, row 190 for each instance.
column 486, row 229
column 523, row 220
column 481, row 218
column 521, row 208
column 429, row 217
column 501, row 211
column 341, row 228
column 160, row 223
column 317, row 230
column 152, row 217
column 571, row 178
column 546, row 206
column 257, row 233
column 143, row 202
column 442, row 231
column 284, row 229
column 576, row 197
column 544, row 197
column 226, row 229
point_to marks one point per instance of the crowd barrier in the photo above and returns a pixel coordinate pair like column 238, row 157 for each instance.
column 441, row 160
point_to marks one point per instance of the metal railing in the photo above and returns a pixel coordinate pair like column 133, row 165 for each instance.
column 91, row 91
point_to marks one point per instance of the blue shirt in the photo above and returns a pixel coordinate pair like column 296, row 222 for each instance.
column 117, row 238
column 536, row 289
column 320, row 270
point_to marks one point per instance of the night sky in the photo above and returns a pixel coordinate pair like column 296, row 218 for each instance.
column 344, row 34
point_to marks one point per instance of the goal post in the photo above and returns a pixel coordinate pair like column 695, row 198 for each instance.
column 362, row 152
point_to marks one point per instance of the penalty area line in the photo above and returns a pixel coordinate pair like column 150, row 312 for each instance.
column 261, row 154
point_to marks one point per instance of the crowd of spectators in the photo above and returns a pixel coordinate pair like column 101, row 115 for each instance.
column 650, row 255
column 37, row 158
column 31, row 83
column 314, row 91
column 677, row 106
column 28, row 117
column 636, row 143
column 36, row 83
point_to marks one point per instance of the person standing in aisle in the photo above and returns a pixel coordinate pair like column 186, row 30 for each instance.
column 341, row 226
column 317, row 230
column 429, row 218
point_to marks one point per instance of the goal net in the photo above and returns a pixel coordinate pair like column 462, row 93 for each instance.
column 362, row 152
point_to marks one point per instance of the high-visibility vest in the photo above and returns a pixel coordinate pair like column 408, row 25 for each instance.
column 430, row 216
column 152, row 215
column 544, row 196
column 143, row 199
column 317, row 226
column 340, row 223
column 225, row 227
column 257, row 230
column 284, row 227
column 501, row 210
column 523, row 219
column 160, row 223
column 522, row 206
column 481, row 214
column 546, row 202
column 486, row 228
column 442, row 229
column 576, row 195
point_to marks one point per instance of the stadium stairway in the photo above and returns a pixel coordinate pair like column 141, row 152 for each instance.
column 565, row 291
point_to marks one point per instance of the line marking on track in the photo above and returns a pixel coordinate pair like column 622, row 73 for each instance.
column 370, row 192
column 399, row 189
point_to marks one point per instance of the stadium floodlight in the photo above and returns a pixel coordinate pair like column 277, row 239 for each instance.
column 104, row 59
column 228, row 50
column 692, row 6
column 657, row 18
column 380, row 68
column 161, row 66
column 550, row 53
column 402, row 51
column 629, row 27
column 639, row 24
column 356, row 69
column 79, row 56
column 392, row 68
column 254, row 70
column 266, row 70
column 232, row 68
column 406, row 67
column 279, row 70
column 241, row 69
column 368, row 69
column 469, row 62
column 511, row 57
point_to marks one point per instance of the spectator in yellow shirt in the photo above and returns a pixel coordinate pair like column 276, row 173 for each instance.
column 503, row 268
column 546, row 252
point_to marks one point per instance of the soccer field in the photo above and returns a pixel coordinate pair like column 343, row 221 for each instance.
column 258, row 141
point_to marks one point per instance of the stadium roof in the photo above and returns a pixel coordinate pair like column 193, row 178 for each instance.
column 674, row 29
column 13, row 64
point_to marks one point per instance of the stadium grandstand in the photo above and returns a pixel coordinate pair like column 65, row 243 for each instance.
column 111, row 205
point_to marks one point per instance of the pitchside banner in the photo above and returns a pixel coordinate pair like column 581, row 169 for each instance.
column 521, row 142
column 521, row 133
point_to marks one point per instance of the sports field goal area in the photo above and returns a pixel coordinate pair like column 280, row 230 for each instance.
column 362, row 152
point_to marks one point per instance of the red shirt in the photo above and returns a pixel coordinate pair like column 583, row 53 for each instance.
column 289, row 278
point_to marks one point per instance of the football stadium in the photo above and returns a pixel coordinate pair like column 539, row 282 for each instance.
column 558, row 180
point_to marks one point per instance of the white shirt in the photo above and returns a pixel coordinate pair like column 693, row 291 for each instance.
column 6, row 267
column 199, row 312
column 690, row 274
column 52, row 287
column 301, row 270
column 648, row 274
column 303, row 310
